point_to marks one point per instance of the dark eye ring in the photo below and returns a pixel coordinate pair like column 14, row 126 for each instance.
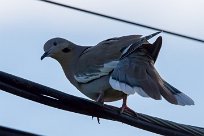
column 55, row 43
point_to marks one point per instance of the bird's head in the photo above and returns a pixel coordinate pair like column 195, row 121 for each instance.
column 56, row 48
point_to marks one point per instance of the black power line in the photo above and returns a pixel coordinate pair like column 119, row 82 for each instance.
column 54, row 98
column 4, row 131
column 123, row 20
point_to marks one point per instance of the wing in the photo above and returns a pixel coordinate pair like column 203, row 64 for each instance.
column 133, row 47
column 136, row 73
column 101, row 59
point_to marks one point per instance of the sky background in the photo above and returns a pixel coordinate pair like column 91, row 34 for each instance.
column 25, row 25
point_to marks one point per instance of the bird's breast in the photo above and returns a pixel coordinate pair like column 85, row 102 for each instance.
column 94, row 88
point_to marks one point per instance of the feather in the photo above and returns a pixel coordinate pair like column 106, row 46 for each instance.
column 125, row 88
column 182, row 99
column 101, row 71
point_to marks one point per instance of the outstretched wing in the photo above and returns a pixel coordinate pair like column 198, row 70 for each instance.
column 136, row 73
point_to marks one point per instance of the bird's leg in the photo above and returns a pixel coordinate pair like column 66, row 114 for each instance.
column 126, row 108
column 98, row 119
column 100, row 100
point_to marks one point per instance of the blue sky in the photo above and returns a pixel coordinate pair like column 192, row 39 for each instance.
column 27, row 24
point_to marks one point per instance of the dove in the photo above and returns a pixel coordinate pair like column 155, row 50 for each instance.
column 114, row 69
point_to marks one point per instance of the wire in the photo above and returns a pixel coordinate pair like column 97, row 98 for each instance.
column 54, row 98
column 5, row 131
column 123, row 20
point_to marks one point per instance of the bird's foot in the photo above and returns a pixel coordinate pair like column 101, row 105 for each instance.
column 98, row 119
column 102, row 104
column 127, row 110
column 100, row 101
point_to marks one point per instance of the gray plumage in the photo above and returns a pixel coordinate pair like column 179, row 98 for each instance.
column 101, row 69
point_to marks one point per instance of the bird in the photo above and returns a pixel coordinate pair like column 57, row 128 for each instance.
column 114, row 69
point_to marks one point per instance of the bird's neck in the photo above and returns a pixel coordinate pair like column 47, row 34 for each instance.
column 69, row 64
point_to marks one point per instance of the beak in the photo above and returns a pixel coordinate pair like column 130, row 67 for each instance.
column 44, row 55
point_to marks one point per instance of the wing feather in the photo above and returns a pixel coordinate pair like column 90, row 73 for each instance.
column 132, row 71
column 100, row 60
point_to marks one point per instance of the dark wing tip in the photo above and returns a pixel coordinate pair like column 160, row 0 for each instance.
column 156, row 48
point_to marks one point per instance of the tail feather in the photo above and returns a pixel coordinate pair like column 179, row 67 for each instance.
column 182, row 99
column 168, row 95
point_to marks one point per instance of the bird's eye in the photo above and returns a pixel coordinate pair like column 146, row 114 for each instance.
column 65, row 50
column 55, row 43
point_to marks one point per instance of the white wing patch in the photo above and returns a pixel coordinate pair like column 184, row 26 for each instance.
column 120, row 86
column 105, row 69
column 108, row 67
column 84, row 78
